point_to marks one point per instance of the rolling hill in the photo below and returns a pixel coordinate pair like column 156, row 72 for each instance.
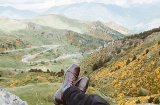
column 95, row 29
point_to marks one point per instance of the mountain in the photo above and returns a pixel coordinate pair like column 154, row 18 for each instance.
column 95, row 29
column 128, row 17
column 16, row 13
column 127, row 69
column 119, row 28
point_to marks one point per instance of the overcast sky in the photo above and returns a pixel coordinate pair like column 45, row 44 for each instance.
column 45, row 4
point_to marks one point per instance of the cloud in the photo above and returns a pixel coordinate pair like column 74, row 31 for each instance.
column 4, row 2
column 44, row 4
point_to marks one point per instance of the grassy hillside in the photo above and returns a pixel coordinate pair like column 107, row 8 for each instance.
column 95, row 29
column 34, row 45
column 29, row 85
column 127, row 69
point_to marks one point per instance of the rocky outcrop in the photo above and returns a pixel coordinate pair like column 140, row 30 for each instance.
column 7, row 98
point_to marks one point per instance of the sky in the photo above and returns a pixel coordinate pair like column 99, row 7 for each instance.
column 45, row 4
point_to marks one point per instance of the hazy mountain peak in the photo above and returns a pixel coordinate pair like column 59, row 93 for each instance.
column 127, row 16
column 16, row 13
column 119, row 28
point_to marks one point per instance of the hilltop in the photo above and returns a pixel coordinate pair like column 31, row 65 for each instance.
column 127, row 69
column 96, row 29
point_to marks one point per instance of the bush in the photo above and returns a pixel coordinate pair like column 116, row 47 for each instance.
column 48, row 71
column 143, row 92
column 118, row 51
column 42, row 62
column 159, row 42
column 128, row 61
column 93, row 85
column 156, row 100
column 108, row 59
column 147, row 51
column 150, row 100
column 134, row 58
column 118, row 67
column 85, row 72
column 52, row 73
column 95, row 67
column 62, row 71
column 138, row 102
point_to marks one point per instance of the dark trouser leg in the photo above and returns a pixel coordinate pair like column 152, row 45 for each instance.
column 74, row 96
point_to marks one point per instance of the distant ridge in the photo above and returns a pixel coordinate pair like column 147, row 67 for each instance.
column 134, row 17
column 95, row 29
column 16, row 13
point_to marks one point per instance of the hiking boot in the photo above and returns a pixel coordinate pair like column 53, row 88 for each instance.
column 70, row 78
column 82, row 83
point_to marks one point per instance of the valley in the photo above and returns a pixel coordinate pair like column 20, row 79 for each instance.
column 34, row 54
column 123, row 67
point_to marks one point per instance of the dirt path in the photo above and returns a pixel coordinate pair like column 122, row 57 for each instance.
column 26, row 58
column 76, row 55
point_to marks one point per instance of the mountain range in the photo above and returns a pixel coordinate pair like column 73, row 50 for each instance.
column 16, row 13
column 137, row 17
column 57, row 22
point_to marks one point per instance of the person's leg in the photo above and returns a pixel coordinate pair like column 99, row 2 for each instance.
column 74, row 96
column 71, row 79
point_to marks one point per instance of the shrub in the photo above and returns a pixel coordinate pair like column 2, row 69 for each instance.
column 42, row 62
column 85, row 72
column 119, row 67
column 93, row 85
column 159, row 42
column 48, row 71
column 138, row 102
column 147, row 51
column 150, row 100
column 118, row 51
column 52, row 73
column 143, row 92
column 134, row 58
column 108, row 59
column 156, row 100
column 95, row 67
column 39, row 70
column 62, row 71
column 128, row 61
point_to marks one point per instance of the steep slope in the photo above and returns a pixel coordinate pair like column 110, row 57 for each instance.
column 127, row 68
